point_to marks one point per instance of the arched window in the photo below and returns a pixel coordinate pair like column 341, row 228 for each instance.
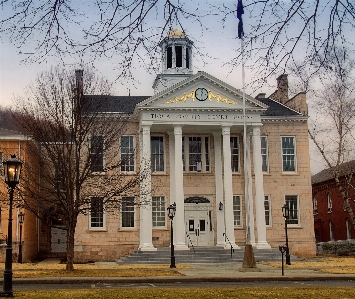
column 348, row 228
column 315, row 205
column 330, row 204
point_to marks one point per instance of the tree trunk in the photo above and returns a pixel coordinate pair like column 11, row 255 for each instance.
column 70, row 246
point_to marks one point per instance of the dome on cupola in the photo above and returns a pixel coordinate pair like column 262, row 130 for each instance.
column 176, row 33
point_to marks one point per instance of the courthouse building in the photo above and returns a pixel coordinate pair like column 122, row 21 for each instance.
column 229, row 169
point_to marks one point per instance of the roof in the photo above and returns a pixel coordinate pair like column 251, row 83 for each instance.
column 11, row 135
column 127, row 104
column 277, row 109
column 326, row 174
column 213, row 80
column 114, row 104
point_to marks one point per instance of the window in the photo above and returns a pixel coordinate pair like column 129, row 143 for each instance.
column 157, row 153
column 1, row 164
column 127, row 153
column 169, row 58
column 187, row 58
column 235, row 153
column 315, row 205
column 288, row 154
column 127, row 212
column 178, row 52
column 330, row 204
column 97, row 213
column 237, row 210
column 158, row 211
column 331, row 230
column 207, row 154
column 348, row 228
column 58, row 180
column 292, row 203
column 195, row 151
column 264, row 154
column 97, row 154
column 267, row 210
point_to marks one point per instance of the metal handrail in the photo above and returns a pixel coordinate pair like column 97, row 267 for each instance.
column 226, row 239
column 192, row 245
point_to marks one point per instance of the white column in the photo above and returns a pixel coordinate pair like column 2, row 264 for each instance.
column 179, row 219
column 228, row 188
column 219, row 187
column 172, row 167
column 249, row 206
column 259, row 191
column 145, row 208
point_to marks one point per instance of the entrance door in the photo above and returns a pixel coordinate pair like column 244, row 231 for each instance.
column 58, row 240
column 198, row 227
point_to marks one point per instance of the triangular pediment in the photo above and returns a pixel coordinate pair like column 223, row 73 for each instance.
column 212, row 93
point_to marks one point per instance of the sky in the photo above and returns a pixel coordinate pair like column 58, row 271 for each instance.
column 218, row 44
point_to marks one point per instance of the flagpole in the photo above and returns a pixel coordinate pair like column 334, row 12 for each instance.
column 249, row 263
column 246, row 170
column 240, row 12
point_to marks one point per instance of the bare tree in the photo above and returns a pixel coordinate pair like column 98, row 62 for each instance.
column 75, row 156
column 279, row 31
column 332, row 129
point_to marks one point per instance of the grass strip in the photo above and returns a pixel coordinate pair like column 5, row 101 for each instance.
column 188, row 293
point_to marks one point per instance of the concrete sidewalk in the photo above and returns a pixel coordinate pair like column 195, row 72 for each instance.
column 222, row 272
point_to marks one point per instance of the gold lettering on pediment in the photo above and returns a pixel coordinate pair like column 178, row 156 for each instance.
column 211, row 96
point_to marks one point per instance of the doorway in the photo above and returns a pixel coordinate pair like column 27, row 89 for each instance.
column 198, row 221
column 58, row 240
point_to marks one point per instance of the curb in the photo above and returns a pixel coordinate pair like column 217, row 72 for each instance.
column 97, row 280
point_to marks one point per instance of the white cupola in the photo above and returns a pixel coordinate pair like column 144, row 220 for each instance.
column 176, row 60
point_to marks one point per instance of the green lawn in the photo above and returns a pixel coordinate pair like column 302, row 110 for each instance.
column 188, row 293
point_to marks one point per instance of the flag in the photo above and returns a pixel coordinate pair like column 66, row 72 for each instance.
column 240, row 11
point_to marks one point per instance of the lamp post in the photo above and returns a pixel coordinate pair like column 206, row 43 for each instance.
column 171, row 213
column 12, row 170
column 286, row 214
column 21, row 218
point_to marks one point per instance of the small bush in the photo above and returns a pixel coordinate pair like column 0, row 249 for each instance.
column 337, row 248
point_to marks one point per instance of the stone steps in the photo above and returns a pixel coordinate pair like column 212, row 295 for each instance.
column 201, row 255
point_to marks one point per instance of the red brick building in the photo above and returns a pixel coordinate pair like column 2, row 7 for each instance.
column 331, row 220
column 12, row 142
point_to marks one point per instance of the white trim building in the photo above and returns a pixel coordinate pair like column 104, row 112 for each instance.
column 188, row 137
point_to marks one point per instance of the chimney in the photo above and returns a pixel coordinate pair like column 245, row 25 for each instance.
column 79, row 87
column 261, row 95
column 282, row 88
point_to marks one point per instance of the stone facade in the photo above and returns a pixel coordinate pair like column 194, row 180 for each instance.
column 227, row 160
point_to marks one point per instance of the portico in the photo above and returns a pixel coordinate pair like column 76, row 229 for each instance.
column 200, row 164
